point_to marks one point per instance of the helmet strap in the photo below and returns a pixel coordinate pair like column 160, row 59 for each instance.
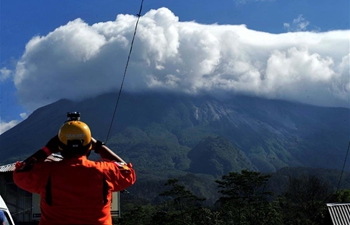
column 74, row 148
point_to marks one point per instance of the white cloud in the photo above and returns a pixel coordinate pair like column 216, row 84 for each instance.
column 299, row 24
column 4, row 126
column 23, row 115
column 78, row 60
column 5, row 74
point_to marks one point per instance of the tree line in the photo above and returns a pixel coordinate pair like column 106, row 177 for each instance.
column 244, row 200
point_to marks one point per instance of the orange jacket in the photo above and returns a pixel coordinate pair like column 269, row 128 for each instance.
column 75, row 190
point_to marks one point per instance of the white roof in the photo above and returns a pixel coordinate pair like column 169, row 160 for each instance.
column 340, row 213
column 11, row 167
column 2, row 204
column 4, row 208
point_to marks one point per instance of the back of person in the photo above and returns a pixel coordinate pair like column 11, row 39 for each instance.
column 75, row 190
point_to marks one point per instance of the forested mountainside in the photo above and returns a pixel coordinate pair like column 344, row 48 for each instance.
column 195, row 141
column 164, row 134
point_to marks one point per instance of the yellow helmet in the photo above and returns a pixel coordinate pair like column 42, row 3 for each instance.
column 73, row 135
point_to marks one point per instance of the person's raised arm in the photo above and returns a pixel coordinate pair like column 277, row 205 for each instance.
column 105, row 152
column 40, row 155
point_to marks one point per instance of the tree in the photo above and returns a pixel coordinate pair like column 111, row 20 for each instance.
column 244, row 199
column 304, row 201
column 341, row 196
column 138, row 215
column 180, row 207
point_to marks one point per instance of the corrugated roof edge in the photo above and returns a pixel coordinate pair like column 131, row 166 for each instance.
column 339, row 212
column 337, row 204
column 11, row 167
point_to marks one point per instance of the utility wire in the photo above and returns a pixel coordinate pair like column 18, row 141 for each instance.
column 126, row 68
column 342, row 171
column 23, row 211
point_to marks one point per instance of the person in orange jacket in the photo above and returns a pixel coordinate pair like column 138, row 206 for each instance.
column 75, row 190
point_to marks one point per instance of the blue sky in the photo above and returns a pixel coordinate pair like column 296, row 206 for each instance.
column 308, row 37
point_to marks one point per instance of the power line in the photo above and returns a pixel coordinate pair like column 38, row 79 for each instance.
column 125, row 70
column 342, row 171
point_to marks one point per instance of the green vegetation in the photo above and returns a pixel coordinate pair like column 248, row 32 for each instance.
column 217, row 156
column 164, row 131
column 190, row 142
column 244, row 198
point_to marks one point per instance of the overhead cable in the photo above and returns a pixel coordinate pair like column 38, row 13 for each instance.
column 342, row 171
column 125, row 70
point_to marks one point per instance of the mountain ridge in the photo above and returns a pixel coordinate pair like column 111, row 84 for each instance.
column 160, row 130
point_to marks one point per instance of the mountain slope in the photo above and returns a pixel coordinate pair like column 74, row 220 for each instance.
column 217, row 156
column 160, row 133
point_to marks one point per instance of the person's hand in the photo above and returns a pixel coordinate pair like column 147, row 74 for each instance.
column 96, row 145
column 52, row 145
column 93, row 143
column 23, row 166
